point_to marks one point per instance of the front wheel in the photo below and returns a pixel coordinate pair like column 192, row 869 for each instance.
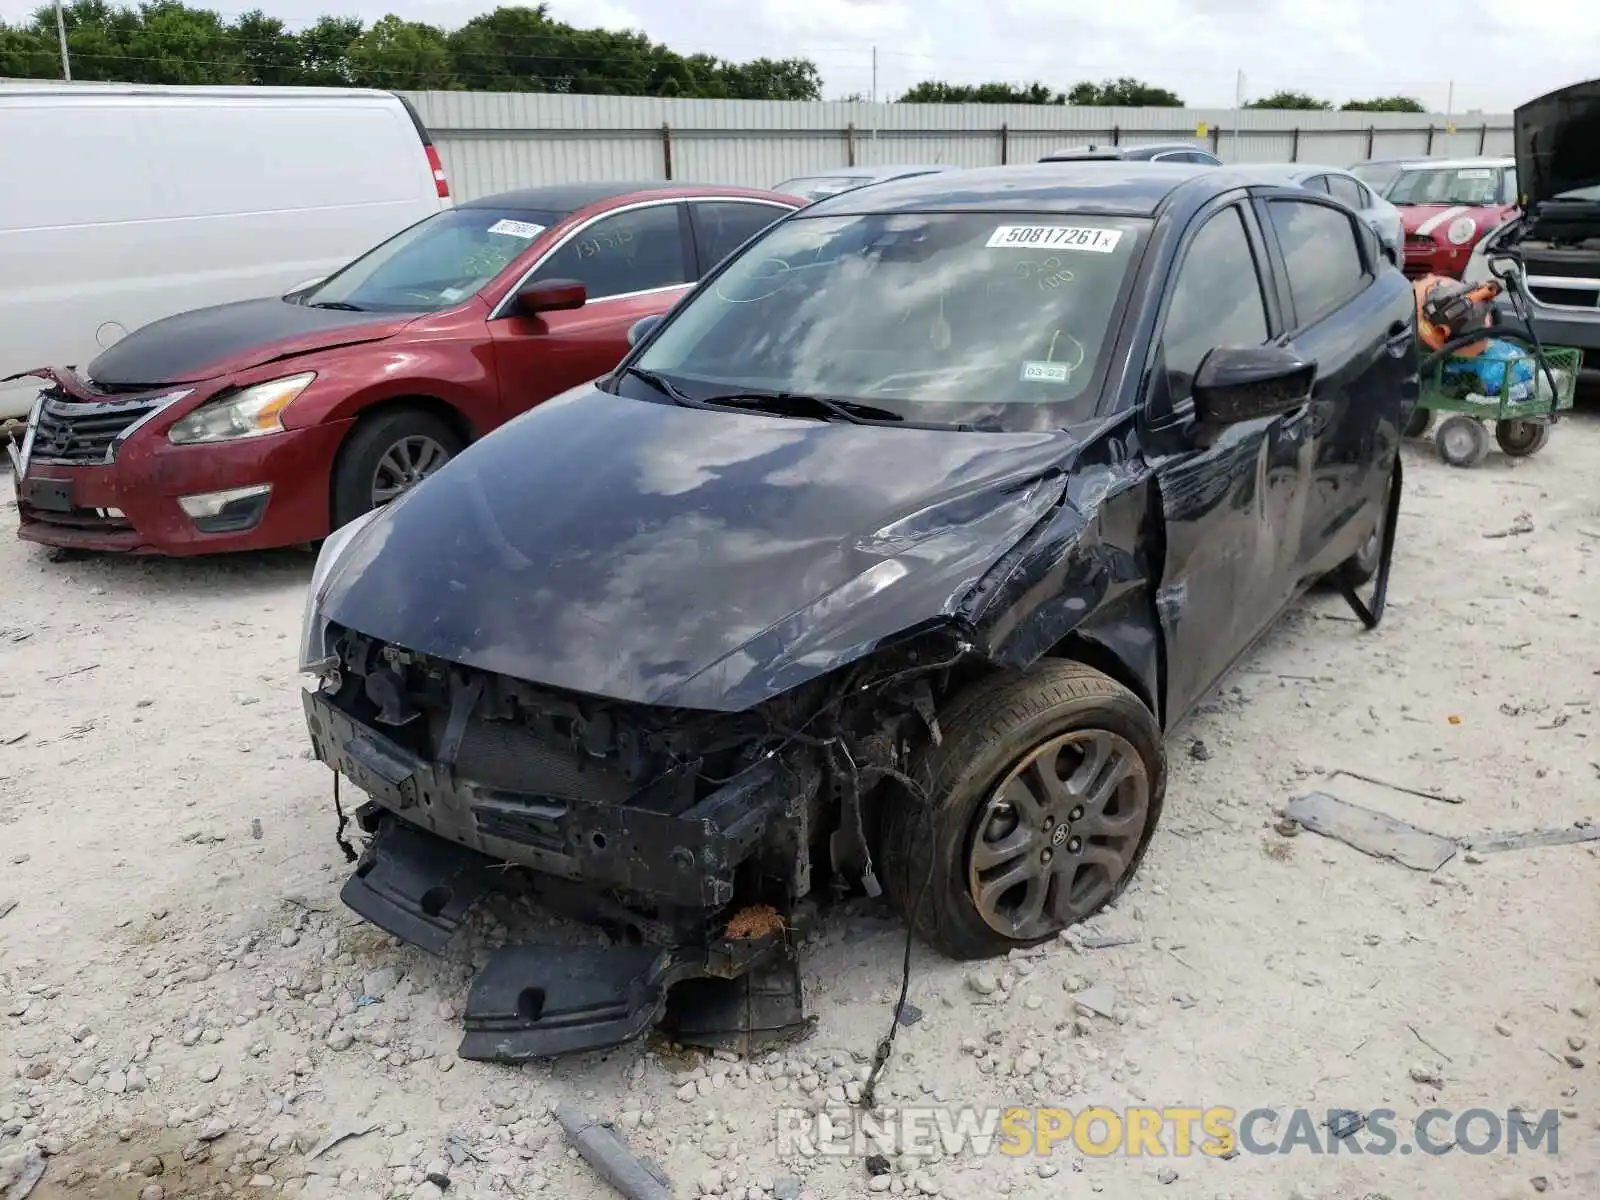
column 1462, row 441
column 1040, row 803
column 1521, row 438
column 389, row 454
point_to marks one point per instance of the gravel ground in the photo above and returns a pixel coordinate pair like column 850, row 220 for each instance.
column 186, row 1009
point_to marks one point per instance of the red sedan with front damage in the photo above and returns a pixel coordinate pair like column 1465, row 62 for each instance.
column 272, row 422
column 1447, row 206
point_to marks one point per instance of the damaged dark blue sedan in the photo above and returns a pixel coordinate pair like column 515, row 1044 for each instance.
column 884, row 562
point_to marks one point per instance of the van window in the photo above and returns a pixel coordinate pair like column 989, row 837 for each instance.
column 1216, row 300
column 1321, row 251
column 284, row 154
column 56, row 161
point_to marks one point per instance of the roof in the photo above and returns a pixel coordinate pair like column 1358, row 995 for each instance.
column 59, row 87
column 887, row 171
column 1453, row 164
column 569, row 197
column 1120, row 151
column 1135, row 189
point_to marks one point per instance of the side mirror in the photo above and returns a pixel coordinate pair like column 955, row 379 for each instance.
column 641, row 328
column 1241, row 384
column 552, row 295
column 305, row 285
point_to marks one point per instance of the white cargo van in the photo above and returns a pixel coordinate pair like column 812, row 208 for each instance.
column 125, row 203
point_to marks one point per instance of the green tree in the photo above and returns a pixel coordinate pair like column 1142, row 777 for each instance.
column 325, row 51
column 402, row 54
column 516, row 48
column 1403, row 104
column 934, row 92
column 1294, row 100
column 1122, row 93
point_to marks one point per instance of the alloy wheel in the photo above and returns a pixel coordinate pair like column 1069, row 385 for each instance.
column 404, row 465
column 1057, row 836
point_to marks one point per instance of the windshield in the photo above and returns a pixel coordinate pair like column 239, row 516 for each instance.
column 1582, row 194
column 949, row 318
column 1448, row 185
column 1379, row 175
column 435, row 264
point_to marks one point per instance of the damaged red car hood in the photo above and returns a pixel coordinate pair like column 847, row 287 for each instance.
column 685, row 557
column 227, row 338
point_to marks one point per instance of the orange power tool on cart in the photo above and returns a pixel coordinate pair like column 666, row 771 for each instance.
column 1448, row 308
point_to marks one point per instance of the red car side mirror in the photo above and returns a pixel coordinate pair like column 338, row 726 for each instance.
column 552, row 295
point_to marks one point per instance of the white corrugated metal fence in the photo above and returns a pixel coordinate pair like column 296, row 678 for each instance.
column 494, row 141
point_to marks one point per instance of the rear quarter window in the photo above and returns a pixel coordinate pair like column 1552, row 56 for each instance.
column 1322, row 253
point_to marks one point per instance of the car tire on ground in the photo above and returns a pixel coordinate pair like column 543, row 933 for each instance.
column 1051, row 779
column 388, row 453
column 1421, row 419
column 1462, row 441
column 1521, row 438
column 1358, row 570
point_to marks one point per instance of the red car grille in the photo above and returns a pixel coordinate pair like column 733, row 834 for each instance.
column 73, row 432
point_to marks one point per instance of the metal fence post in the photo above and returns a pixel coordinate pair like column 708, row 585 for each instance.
column 1429, row 152
column 850, row 144
column 1116, row 135
column 1005, row 144
column 1294, row 145
column 1372, row 137
column 666, row 148
column 1483, row 137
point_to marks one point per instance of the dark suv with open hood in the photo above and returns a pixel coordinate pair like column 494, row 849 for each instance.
column 889, row 556
column 1558, row 233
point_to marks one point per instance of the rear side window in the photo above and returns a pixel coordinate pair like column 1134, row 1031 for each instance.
column 721, row 227
column 1347, row 191
column 1216, row 299
column 633, row 251
column 1317, row 183
column 1322, row 254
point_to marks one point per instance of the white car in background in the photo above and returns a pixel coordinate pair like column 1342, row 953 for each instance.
column 1380, row 216
column 127, row 203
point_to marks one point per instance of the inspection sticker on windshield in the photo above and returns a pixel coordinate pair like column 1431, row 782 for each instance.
column 519, row 229
column 1055, row 237
column 1046, row 372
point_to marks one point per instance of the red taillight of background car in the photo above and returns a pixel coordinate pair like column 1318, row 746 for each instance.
column 440, row 180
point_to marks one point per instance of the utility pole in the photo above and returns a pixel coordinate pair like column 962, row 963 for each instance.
column 1238, row 113
column 874, row 105
column 61, row 33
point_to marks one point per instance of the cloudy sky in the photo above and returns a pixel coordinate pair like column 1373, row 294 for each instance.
column 1499, row 52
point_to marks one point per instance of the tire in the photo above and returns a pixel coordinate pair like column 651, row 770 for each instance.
column 990, row 731
column 355, row 475
column 1421, row 419
column 1360, row 567
column 1521, row 438
column 1462, row 441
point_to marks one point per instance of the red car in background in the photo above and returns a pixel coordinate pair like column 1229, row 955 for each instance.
column 272, row 422
column 1447, row 205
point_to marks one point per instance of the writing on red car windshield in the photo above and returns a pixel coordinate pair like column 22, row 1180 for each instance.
column 1475, row 186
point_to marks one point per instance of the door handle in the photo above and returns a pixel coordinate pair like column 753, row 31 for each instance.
column 1399, row 332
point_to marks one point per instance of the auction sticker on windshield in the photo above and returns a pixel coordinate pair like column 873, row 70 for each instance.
column 1055, row 237
column 518, row 229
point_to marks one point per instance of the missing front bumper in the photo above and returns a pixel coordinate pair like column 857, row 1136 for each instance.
column 438, row 846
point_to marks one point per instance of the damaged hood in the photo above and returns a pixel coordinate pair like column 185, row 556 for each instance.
column 686, row 557
column 1558, row 142
column 227, row 338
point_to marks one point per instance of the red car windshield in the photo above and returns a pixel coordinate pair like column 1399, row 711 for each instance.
column 436, row 263
column 1477, row 186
